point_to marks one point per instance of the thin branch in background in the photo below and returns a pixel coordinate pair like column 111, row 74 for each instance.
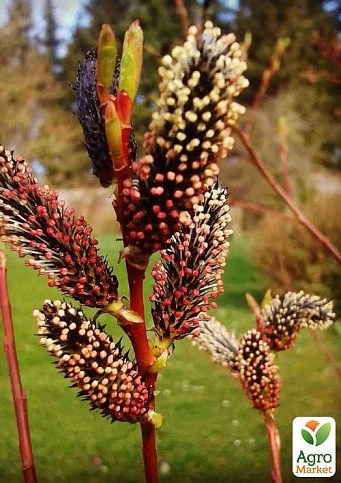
column 246, row 205
column 256, row 310
column 284, row 153
column 268, row 74
column 152, row 51
column 181, row 11
column 301, row 217
column 18, row 393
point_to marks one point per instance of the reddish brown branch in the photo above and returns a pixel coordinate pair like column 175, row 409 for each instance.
column 256, row 310
column 18, row 393
column 183, row 17
column 245, row 205
column 301, row 217
column 149, row 452
column 268, row 74
column 284, row 154
column 275, row 447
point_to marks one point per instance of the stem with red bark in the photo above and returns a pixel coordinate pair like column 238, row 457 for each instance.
column 268, row 74
column 257, row 312
column 18, row 393
column 275, row 447
column 301, row 217
column 144, row 358
column 138, row 337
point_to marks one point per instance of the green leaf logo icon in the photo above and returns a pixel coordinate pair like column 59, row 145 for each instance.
column 307, row 436
column 316, row 435
column 322, row 434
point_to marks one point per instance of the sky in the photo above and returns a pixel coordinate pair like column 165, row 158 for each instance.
column 67, row 13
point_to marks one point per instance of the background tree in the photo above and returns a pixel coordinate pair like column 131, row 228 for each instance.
column 32, row 100
column 51, row 41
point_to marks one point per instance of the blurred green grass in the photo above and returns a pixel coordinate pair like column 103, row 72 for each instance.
column 211, row 432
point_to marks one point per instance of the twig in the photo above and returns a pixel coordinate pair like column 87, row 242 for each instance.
column 260, row 209
column 183, row 16
column 268, row 74
column 275, row 447
column 312, row 229
column 18, row 393
column 256, row 310
column 283, row 153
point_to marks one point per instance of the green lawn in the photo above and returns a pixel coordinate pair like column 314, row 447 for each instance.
column 211, row 433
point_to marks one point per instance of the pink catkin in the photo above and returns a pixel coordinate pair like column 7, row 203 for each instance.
column 93, row 362
column 38, row 225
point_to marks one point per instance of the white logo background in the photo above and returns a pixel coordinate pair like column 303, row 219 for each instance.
column 308, row 460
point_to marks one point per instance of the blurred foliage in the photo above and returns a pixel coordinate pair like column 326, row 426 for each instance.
column 301, row 22
column 244, row 180
column 297, row 20
column 36, row 81
column 34, row 123
column 294, row 259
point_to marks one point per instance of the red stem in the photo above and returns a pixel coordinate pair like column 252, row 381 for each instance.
column 18, row 393
column 149, row 452
column 313, row 230
column 144, row 358
column 275, row 447
column 138, row 337
column 137, row 332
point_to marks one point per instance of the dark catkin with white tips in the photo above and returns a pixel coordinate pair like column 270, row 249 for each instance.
column 189, row 277
column 254, row 366
column 38, row 225
column 286, row 315
column 189, row 132
column 94, row 363
column 90, row 116
column 221, row 345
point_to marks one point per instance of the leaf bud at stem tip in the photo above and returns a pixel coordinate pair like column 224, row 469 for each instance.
column 131, row 62
column 106, row 58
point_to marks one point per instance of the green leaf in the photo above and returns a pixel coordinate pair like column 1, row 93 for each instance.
column 131, row 62
column 307, row 436
column 106, row 56
column 127, row 75
column 322, row 434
